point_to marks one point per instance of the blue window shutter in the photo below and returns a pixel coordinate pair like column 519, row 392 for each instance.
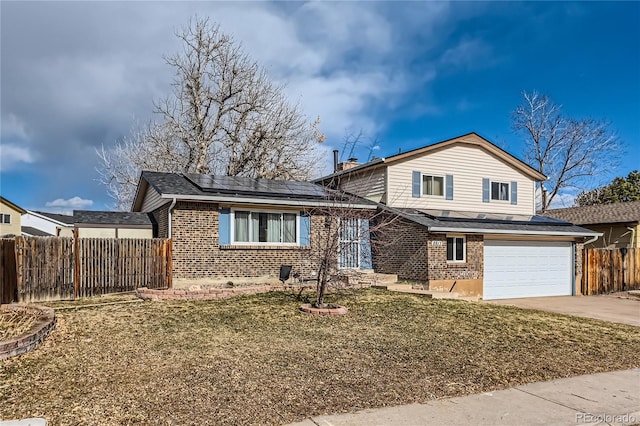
column 449, row 187
column 416, row 184
column 305, row 229
column 224, row 227
column 514, row 192
column 485, row 190
column 365, row 245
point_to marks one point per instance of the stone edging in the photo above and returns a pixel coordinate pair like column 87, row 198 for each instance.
column 28, row 341
column 337, row 310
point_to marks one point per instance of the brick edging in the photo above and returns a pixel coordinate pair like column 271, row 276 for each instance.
column 30, row 340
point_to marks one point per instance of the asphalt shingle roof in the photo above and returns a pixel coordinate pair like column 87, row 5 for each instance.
column 111, row 218
column 517, row 226
column 177, row 184
column 64, row 218
column 599, row 214
column 34, row 232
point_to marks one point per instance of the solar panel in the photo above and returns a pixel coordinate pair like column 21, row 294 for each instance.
column 493, row 217
column 251, row 186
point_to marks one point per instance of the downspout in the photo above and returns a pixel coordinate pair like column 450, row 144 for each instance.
column 592, row 239
column 173, row 204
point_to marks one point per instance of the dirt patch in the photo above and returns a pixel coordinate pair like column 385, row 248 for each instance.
column 258, row 360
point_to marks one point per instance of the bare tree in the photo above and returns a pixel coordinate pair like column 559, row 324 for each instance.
column 568, row 151
column 223, row 116
column 358, row 140
column 346, row 238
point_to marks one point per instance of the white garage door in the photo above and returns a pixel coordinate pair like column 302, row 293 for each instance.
column 526, row 269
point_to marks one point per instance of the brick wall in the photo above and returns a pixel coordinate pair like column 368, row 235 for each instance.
column 402, row 250
column 440, row 269
column 197, row 254
column 161, row 216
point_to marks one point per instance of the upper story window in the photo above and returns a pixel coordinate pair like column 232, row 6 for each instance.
column 263, row 227
column 6, row 218
column 500, row 191
column 433, row 185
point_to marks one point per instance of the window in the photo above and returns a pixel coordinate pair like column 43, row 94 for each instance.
column 456, row 249
column 432, row 185
column 6, row 218
column 260, row 227
column 500, row 191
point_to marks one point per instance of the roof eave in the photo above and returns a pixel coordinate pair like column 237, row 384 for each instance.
column 513, row 232
column 267, row 201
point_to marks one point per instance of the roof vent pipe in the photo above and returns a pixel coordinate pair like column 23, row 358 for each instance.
column 335, row 160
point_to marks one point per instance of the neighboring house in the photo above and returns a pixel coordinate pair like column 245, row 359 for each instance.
column 240, row 229
column 101, row 224
column 10, row 218
column 47, row 224
column 468, row 221
column 619, row 222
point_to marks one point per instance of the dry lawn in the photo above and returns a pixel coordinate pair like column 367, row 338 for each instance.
column 257, row 360
column 15, row 323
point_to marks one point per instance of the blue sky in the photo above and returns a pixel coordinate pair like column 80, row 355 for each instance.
column 78, row 75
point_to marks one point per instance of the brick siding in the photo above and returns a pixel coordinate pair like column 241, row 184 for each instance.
column 161, row 216
column 197, row 254
column 402, row 250
column 440, row 269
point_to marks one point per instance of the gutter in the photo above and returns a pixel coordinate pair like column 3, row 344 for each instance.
column 510, row 231
column 173, row 204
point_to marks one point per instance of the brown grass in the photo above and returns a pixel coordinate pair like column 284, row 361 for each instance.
column 257, row 360
column 15, row 323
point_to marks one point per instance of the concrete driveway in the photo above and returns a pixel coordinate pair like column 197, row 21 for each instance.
column 603, row 307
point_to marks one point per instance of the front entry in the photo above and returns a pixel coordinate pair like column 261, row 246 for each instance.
column 354, row 248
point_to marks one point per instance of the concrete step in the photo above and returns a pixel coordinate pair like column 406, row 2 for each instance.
column 634, row 294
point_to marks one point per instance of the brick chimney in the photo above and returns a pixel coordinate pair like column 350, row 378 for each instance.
column 349, row 164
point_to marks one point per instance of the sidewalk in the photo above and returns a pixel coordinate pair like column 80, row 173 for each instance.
column 605, row 398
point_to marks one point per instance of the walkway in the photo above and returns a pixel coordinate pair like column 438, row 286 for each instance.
column 605, row 398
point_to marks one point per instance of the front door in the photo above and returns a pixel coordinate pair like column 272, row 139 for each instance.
column 349, row 244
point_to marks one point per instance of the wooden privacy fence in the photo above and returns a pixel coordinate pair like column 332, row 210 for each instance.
column 52, row 268
column 610, row 270
column 8, row 283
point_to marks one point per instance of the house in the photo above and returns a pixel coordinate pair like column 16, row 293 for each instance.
column 38, row 224
column 469, row 222
column 106, row 224
column 241, row 229
column 619, row 223
column 10, row 218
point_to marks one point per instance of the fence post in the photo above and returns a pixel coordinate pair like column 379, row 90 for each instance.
column 76, row 264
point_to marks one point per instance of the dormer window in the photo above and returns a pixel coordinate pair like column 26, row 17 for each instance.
column 500, row 191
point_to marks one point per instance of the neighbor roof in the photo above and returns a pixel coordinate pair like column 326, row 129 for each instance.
column 489, row 223
column 61, row 218
column 468, row 138
column 34, row 232
column 88, row 217
column 200, row 187
column 628, row 212
column 12, row 205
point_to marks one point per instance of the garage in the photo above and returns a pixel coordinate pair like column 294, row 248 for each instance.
column 515, row 269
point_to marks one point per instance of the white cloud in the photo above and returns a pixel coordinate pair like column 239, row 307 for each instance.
column 12, row 156
column 74, row 203
column 468, row 54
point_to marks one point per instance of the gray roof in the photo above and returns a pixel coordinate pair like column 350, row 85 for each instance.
column 461, row 221
column 89, row 217
column 212, row 187
column 34, row 232
column 64, row 218
column 628, row 212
